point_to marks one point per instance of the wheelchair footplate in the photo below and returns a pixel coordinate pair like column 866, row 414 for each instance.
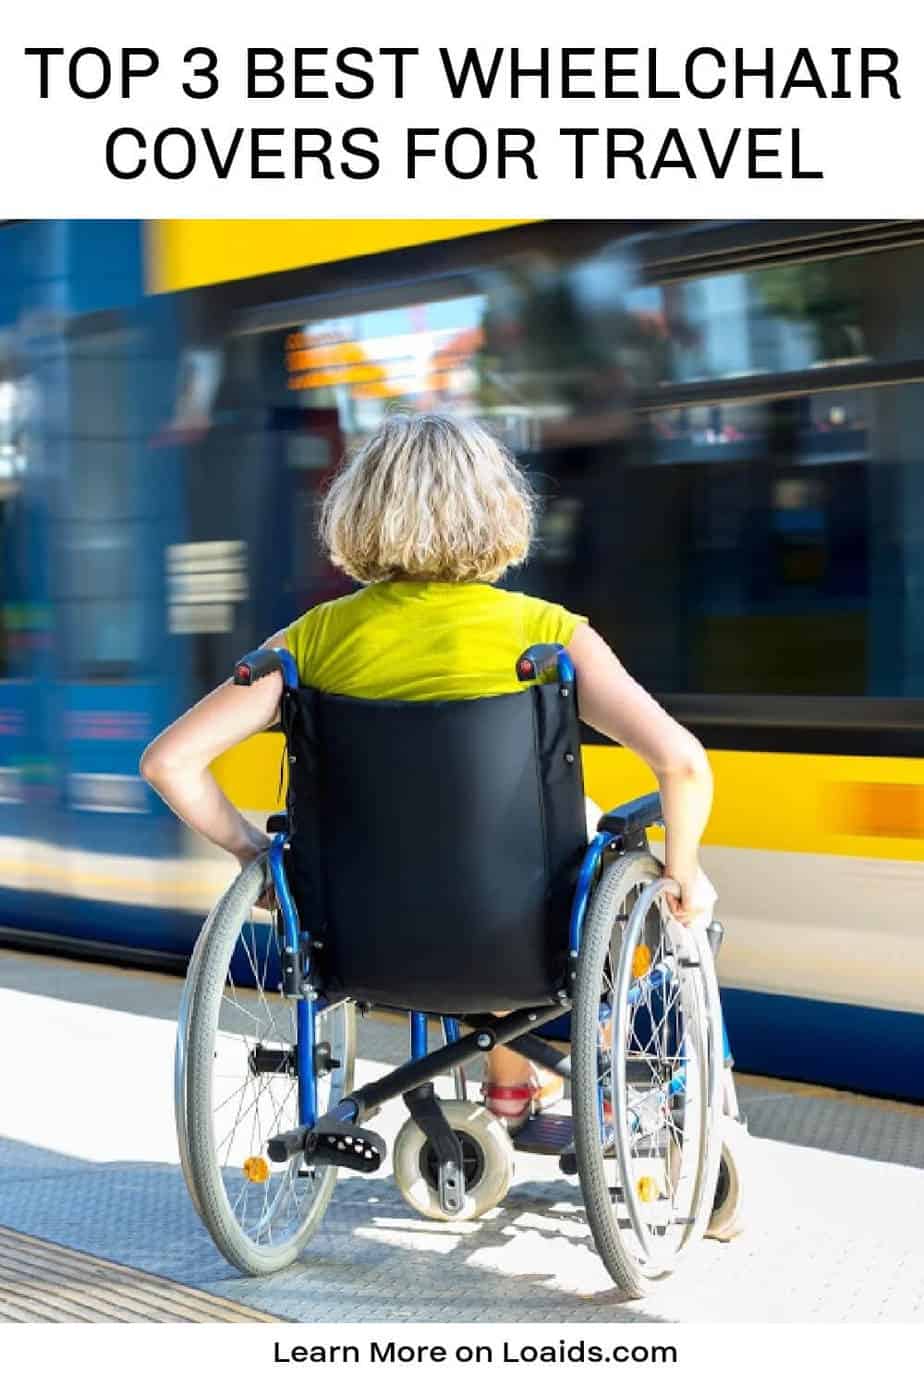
column 546, row 1134
column 341, row 1143
column 332, row 1142
column 551, row 1134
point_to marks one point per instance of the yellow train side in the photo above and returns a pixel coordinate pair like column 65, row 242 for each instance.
column 851, row 806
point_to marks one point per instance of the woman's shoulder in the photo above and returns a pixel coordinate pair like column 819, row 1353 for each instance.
column 543, row 622
column 325, row 615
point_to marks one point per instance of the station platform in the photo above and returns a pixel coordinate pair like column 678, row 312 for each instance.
column 96, row 1223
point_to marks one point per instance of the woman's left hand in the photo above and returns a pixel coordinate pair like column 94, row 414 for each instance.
column 258, row 844
column 255, row 848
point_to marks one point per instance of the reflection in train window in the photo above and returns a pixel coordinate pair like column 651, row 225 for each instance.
column 746, row 548
column 805, row 428
column 789, row 317
column 423, row 353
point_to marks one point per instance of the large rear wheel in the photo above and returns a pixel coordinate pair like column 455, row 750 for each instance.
column 646, row 1075
column 231, row 1101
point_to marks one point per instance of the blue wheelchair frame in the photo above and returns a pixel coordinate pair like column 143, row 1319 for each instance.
column 488, row 1030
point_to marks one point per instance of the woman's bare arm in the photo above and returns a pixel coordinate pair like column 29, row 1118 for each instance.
column 177, row 762
column 611, row 701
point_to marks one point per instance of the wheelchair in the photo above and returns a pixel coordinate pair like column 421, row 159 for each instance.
column 433, row 858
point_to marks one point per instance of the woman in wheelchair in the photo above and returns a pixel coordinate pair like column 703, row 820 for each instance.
column 427, row 516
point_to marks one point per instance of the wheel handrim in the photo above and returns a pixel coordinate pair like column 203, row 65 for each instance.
column 658, row 1065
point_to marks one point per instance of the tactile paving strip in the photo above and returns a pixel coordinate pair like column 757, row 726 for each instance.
column 41, row 1282
column 839, row 1123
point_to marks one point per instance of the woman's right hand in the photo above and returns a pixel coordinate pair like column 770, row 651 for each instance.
column 611, row 701
column 697, row 895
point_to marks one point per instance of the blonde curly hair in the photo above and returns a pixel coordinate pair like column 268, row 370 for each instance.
column 428, row 496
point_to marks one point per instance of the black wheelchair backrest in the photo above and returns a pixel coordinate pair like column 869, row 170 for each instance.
column 435, row 845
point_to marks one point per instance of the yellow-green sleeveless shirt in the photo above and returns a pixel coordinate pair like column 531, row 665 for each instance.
column 424, row 640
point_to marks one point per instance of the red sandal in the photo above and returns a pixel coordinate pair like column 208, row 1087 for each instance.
column 514, row 1104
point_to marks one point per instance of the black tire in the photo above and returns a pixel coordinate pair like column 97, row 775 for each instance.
column 180, row 1068
column 729, row 1208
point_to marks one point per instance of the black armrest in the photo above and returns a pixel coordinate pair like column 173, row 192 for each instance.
column 633, row 817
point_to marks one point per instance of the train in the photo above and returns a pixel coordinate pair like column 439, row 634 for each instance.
column 723, row 420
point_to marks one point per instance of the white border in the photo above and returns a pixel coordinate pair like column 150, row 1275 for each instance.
column 51, row 152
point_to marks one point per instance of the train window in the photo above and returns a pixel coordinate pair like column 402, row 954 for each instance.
column 18, row 617
column 806, row 429
column 8, row 605
column 526, row 343
column 284, row 405
column 768, row 547
column 785, row 318
column 103, row 584
column 102, row 598
column 205, row 581
column 420, row 353
column 104, row 639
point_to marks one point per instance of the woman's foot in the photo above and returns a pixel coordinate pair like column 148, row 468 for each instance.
column 515, row 1103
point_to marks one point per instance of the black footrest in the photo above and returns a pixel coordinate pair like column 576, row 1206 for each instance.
column 549, row 1134
column 345, row 1145
column 545, row 1134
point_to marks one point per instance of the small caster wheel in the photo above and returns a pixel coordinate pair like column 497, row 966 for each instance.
column 487, row 1160
column 728, row 1210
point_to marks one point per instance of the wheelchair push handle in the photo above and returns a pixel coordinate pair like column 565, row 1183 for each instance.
column 544, row 659
column 259, row 663
column 256, row 665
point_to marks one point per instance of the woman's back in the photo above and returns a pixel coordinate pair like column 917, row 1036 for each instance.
column 422, row 641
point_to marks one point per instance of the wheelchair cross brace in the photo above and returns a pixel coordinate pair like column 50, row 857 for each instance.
column 534, row 1048
column 486, row 1032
